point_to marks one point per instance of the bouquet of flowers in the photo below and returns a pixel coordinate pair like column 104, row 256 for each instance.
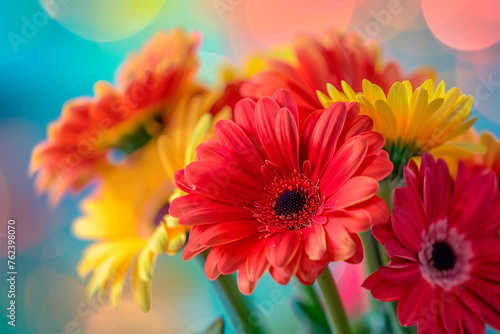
column 322, row 152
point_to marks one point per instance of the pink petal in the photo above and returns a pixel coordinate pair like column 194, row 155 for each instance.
column 412, row 202
column 416, row 297
column 383, row 232
column 470, row 209
column 383, row 290
column 395, row 249
column 408, row 228
column 437, row 192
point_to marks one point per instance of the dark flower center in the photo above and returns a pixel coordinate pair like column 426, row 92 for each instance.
column 289, row 202
column 443, row 257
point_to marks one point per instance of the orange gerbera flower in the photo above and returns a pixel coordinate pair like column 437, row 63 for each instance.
column 123, row 118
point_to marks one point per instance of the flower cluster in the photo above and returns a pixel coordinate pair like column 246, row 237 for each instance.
column 282, row 168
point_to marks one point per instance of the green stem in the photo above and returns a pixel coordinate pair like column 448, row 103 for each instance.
column 335, row 313
column 232, row 300
column 307, row 304
column 371, row 252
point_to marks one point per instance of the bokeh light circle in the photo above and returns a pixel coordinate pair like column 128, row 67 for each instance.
column 464, row 24
column 103, row 20
column 382, row 20
column 279, row 21
column 478, row 75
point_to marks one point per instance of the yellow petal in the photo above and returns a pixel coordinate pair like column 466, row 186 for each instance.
column 197, row 136
column 141, row 290
column 348, row 91
column 335, row 94
column 324, row 99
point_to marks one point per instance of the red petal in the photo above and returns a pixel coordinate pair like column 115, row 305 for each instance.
column 211, row 268
column 222, row 233
column 244, row 116
column 343, row 165
column 358, row 255
column 314, row 241
column 222, row 182
column 245, row 285
column 265, row 118
column 340, row 244
column 356, row 190
column 323, row 141
column 282, row 275
column 287, row 136
column 310, row 270
column 401, row 275
column 281, row 248
column 285, row 99
column 240, row 149
column 257, row 263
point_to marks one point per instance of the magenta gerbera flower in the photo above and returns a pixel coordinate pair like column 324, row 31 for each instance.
column 444, row 248
column 265, row 194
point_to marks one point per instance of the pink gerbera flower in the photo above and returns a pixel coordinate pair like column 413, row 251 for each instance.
column 444, row 249
column 265, row 195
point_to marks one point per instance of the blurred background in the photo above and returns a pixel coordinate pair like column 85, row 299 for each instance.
column 54, row 50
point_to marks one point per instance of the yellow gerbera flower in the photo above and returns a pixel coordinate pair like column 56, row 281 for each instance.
column 412, row 121
column 127, row 214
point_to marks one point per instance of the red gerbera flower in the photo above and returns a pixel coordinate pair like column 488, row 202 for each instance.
column 444, row 249
column 264, row 195
column 338, row 57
